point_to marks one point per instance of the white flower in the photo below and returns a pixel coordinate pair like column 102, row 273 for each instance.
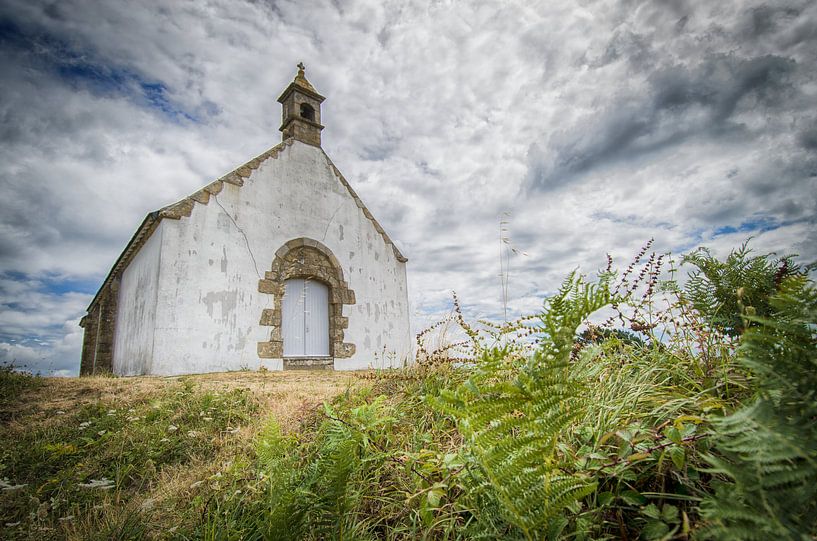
column 232, row 430
column 163, row 440
column 197, row 483
column 192, row 434
column 207, row 418
column 58, row 412
column 86, row 424
column 5, row 486
column 12, row 524
column 103, row 483
column 67, row 518
column 132, row 418
column 101, row 433
column 172, row 428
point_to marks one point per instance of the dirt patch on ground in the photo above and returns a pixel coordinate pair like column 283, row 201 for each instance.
column 284, row 395
column 287, row 396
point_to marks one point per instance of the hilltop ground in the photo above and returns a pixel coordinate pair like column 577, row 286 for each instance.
column 140, row 456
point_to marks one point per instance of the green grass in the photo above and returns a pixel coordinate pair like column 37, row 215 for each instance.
column 92, row 469
column 656, row 424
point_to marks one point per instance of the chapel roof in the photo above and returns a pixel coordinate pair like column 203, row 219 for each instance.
column 300, row 79
column 300, row 82
column 184, row 208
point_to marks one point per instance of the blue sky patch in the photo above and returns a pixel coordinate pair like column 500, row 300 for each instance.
column 755, row 225
column 82, row 68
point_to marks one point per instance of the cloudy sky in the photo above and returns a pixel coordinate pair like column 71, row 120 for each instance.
column 589, row 126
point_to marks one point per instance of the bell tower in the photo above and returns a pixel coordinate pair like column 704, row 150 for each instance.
column 301, row 110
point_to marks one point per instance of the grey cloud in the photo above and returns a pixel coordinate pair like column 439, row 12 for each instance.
column 808, row 138
column 632, row 126
column 597, row 127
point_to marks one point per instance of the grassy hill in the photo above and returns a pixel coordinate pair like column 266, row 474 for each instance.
column 103, row 457
column 629, row 407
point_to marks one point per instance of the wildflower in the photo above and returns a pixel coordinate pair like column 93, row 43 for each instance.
column 67, row 518
column 103, row 483
column 5, row 486
column 86, row 424
column 164, row 440
column 232, row 430
column 192, row 434
column 132, row 418
column 197, row 483
column 12, row 524
column 207, row 418
column 172, row 428
column 58, row 412
column 101, row 432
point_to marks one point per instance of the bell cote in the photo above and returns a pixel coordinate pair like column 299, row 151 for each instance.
column 301, row 116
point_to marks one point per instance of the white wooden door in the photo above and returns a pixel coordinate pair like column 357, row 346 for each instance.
column 305, row 318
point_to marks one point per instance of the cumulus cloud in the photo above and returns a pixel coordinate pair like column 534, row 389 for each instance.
column 594, row 126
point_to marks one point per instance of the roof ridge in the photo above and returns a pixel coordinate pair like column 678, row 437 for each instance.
column 184, row 207
column 397, row 254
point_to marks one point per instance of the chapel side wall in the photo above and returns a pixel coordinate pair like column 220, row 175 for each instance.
column 209, row 306
column 210, row 303
column 136, row 310
column 379, row 321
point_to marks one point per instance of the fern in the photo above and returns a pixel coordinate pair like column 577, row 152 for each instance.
column 311, row 502
column 725, row 292
column 767, row 451
column 513, row 412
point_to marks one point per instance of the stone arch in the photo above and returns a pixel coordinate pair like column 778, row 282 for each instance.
column 306, row 258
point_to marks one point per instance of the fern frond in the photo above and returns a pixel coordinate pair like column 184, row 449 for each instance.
column 513, row 417
column 767, row 451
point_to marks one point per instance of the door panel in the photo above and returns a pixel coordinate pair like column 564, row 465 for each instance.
column 316, row 319
column 305, row 318
column 292, row 318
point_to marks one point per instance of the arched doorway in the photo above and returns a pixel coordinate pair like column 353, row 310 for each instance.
column 305, row 318
column 312, row 263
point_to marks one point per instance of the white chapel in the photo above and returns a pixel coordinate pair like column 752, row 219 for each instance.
column 277, row 264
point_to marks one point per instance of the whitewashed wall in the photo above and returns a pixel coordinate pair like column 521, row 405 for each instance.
column 136, row 310
column 209, row 306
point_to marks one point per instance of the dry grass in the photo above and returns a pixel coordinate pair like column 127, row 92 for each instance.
column 52, row 404
column 287, row 396
column 284, row 395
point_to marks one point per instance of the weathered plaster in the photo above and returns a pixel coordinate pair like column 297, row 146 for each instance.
column 214, row 304
column 136, row 319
